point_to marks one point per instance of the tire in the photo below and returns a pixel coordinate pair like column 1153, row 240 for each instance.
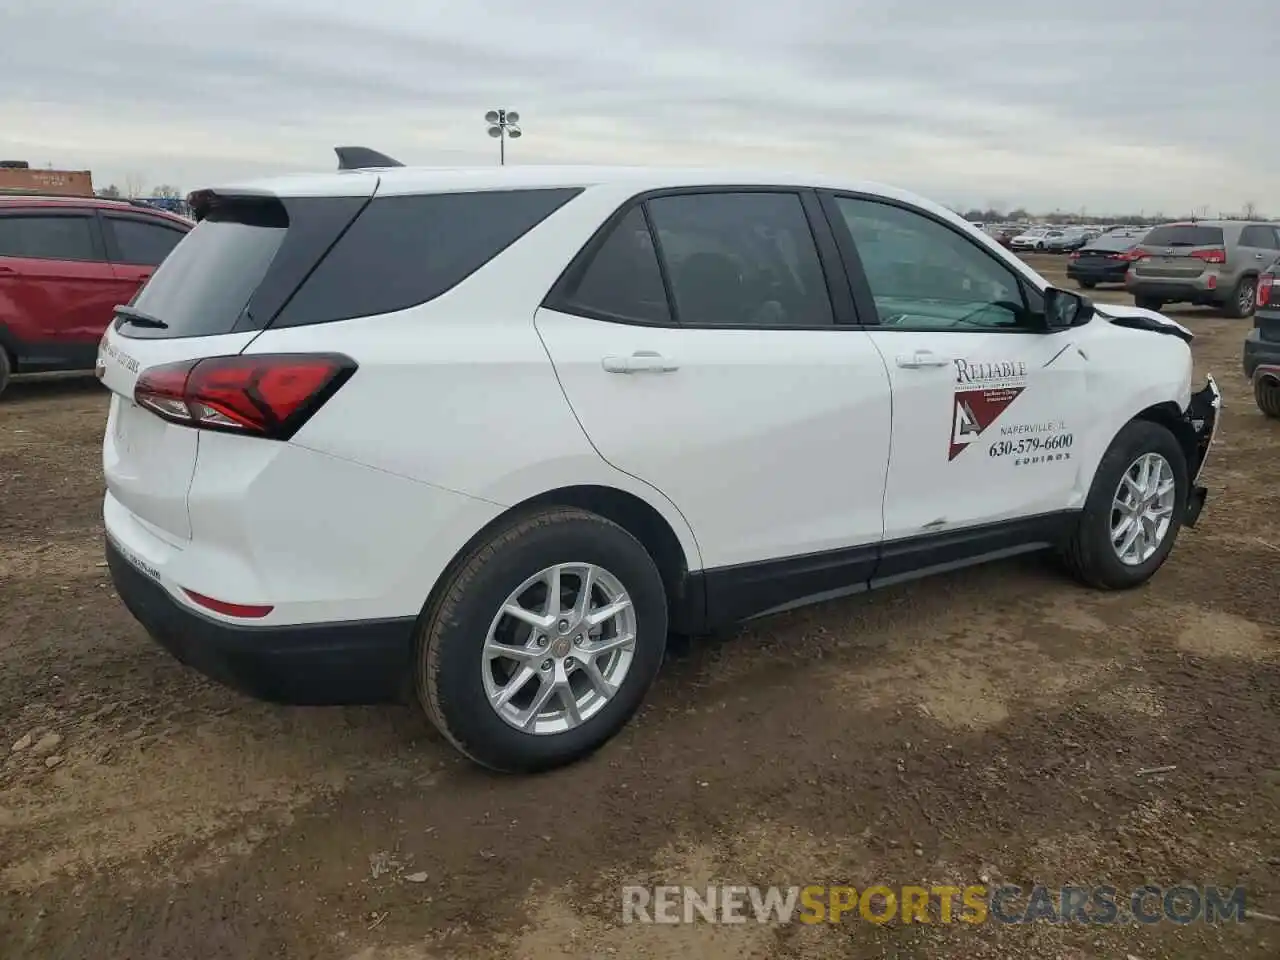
column 6, row 368
column 1087, row 284
column 1267, row 394
column 1089, row 554
column 1243, row 300
column 1148, row 303
column 455, row 680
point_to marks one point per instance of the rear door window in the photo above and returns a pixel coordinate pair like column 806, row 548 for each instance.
column 1258, row 236
column 403, row 251
column 622, row 281
column 741, row 259
column 1184, row 235
column 140, row 242
column 49, row 237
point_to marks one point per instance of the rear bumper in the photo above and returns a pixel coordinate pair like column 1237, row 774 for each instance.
column 324, row 663
column 1259, row 353
column 1194, row 291
column 1097, row 272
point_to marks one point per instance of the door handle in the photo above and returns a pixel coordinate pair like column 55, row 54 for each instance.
column 1259, row 256
column 7, row 270
column 642, row 361
column 922, row 358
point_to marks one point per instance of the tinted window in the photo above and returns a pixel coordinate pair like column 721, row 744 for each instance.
column 924, row 274
column 1183, row 235
column 1112, row 242
column 737, row 259
column 623, row 279
column 1257, row 236
column 48, row 238
column 206, row 282
column 143, row 243
column 405, row 250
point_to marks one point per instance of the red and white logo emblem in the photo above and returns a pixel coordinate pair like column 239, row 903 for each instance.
column 983, row 392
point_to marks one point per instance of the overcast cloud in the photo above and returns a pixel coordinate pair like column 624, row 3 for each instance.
column 1159, row 105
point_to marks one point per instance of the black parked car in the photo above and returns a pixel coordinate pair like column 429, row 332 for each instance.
column 1262, row 345
column 1104, row 260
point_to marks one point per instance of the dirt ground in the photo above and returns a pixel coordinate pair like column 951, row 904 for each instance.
column 987, row 723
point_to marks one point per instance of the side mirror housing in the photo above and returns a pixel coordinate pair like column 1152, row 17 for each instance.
column 1064, row 309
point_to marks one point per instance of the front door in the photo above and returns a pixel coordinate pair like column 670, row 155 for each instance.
column 737, row 396
column 988, row 407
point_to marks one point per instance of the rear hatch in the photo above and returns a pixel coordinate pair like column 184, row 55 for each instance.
column 1106, row 252
column 1180, row 251
column 210, row 297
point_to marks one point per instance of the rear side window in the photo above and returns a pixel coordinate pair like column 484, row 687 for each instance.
column 139, row 242
column 622, row 281
column 1184, row 235
column 48, row 238
column 405, row 250
column 1259, row 236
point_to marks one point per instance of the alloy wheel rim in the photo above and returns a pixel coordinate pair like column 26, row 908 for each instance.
column 1246, row 297
column 1142, row 509
column 559, row 648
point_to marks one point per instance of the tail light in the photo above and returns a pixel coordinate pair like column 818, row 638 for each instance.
column 1131, row 256
column 1075, row 255
column 1265, row 283
column 269, row 396
column 1211, row 256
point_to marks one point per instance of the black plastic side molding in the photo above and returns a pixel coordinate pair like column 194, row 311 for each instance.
column 362, row 158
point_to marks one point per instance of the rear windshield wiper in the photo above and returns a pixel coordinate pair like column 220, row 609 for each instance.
column 139, row 319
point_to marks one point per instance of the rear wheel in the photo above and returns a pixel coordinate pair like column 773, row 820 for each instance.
column 1243, row 299
column 6, row 368
column 1087, row 284
column 1134, row 509
column 1148, row 303
column 543, row 641
column 1266, row 391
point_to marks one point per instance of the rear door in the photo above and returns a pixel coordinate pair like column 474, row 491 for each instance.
column 136, row 245
column 211, row 296
column 56, row 287
column 696, row 340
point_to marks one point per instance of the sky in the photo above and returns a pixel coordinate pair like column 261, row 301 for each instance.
column 1159, row 106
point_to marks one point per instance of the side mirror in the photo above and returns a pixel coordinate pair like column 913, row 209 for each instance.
column 1064, row 309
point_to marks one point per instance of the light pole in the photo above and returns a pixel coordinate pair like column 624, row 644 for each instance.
column 503, row 124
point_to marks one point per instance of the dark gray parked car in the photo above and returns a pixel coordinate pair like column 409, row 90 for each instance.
column 1262, row 345
column 1209, row 262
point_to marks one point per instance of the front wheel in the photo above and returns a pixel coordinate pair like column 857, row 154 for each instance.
column 543, row 641
column 1267, row 394
column 1148, row 303
column 1133, row 512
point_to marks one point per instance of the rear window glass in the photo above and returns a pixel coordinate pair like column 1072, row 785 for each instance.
column 405, row 250
column 1110, row 242
column 1184, row 235
column 207, row 280
column 48, row 238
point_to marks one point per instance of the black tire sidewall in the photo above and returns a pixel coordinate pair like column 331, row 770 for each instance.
column 459, row 691
column 6, row 369
column 1233, row 304
column 1267, row 395
column 1134, row 440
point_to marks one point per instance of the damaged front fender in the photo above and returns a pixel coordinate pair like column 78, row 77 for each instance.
column 1201, row 418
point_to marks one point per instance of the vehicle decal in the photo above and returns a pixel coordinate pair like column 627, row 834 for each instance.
column 983, row 391
column 1030, row 443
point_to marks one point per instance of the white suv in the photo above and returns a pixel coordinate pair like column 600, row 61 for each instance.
column 482, row 437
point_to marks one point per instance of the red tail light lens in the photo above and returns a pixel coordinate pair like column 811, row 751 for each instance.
column 1075, row 255
column 1265, row 283
column 1211, row 256
column 270, row 396
column 1132, row 256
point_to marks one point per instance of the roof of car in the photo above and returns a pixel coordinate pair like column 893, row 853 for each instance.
column 537, row 176
column 45, row 201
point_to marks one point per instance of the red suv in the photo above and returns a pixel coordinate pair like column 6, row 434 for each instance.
column 64, row 264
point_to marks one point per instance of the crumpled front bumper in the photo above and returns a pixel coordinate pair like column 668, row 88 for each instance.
column 1202, row 416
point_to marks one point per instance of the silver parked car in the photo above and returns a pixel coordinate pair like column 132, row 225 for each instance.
column 1208, row 262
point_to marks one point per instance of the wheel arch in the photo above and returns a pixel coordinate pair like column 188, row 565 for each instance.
column 686, row 599
column 1167, row 414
